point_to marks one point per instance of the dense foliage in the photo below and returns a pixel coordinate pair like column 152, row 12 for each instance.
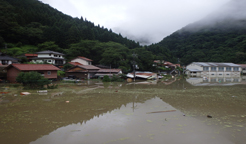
column 32, row 22
column 29, row 26
column 32, row 80
column 219, row 37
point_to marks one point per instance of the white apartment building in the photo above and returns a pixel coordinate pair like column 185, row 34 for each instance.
column 211, row 69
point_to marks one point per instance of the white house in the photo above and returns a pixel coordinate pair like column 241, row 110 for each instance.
column 82, row 60
column 50, row 57
column 7, row 60
column 211, row 69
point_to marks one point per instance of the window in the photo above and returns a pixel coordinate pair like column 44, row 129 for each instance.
column 213, row 80
column 236, row 68
column 205, row 68
column 55, row 55
column 49, row 54
column 48, row 72
column 49, row 60
column 228, row 68
column 221, row 80
column 213, row 68
column 221, row 68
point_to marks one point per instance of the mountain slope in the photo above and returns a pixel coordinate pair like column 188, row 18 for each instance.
column 33, row 22
column 219, row 37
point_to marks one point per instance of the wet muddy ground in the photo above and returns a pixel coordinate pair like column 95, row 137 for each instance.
column 171, row 112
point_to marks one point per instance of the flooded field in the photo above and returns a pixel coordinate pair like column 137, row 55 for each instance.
column 172, row 111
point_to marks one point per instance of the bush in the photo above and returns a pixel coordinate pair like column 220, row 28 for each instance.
column 106, row 78
column 116, row 78
column 33, row 80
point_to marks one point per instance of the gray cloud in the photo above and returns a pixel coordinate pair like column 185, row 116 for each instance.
column 144, row 21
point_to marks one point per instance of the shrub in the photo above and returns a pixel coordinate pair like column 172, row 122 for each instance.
column 106, row 78
column 116, row 78
column 32, row 80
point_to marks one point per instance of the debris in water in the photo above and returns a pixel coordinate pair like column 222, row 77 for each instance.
column 42, row 91
column 209, row 116
column 67, row 101
column 161, row 111
column 25, row 93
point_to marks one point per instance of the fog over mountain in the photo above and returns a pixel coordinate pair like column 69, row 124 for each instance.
column 231, row 15
column 144, row 21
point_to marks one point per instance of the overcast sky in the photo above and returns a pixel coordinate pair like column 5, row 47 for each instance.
column 146, row 21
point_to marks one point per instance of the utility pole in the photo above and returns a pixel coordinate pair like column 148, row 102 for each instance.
column 134, row 65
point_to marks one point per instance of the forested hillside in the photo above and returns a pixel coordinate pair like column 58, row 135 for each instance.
column 32, row 22
column 28, row 26
column 220, row 37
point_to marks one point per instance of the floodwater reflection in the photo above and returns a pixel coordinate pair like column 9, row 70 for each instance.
column 119, row 113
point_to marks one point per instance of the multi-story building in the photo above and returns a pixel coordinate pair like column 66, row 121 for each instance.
column 50, row 57
column 211, row 69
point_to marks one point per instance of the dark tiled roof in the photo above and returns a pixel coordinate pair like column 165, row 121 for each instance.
column 49, row 52
column 5, row 57
column 33, row 67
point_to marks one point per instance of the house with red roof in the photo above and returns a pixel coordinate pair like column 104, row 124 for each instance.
column 47, row 70
column 82, row 71
column 81, row 60
column 31, row 56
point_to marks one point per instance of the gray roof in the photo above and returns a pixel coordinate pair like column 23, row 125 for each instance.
column 5, row 57
column 194, row 70
column 213, row 64
column 89, row 67
column 49, row 52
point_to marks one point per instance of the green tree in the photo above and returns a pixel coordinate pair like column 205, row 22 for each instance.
column 32, row 80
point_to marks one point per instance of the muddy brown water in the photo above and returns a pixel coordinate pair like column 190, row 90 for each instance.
column 116, row 113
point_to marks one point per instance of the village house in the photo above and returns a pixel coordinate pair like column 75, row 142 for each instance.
column 166, row 64
column 50, row 57
column 82, row 71
column 7, row 60
column 29, row 57
column 81, row 60
column 47, row 70
column 213, row 69
column 108, row 72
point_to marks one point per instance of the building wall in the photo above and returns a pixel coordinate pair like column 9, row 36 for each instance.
column 12, row 73
column 211, row 73
column 50, row 74
column 49, row 55
column 79, row 75
column 81, row 61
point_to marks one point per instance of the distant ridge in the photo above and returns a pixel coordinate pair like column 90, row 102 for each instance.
column 219, row 37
